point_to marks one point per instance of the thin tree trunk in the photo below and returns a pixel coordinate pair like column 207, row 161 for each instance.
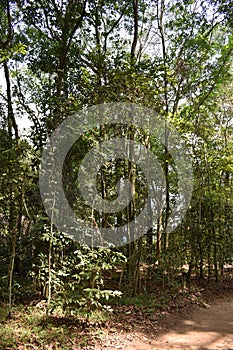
column 158, row 237
column 11, row 118
column 160, row 16
column 12, row 217
column 50, row 260
column 135, row 37
column 11, row 272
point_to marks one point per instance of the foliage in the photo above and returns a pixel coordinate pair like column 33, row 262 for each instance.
column 60, row 57
column 82, row 280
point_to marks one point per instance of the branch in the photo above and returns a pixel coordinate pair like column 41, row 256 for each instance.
column 30, row 111
column 135, row 38
column 4, row 97
column 3, row 44
column 87, row 62
column 113, row 27
column 78, row 24
column 215, row 80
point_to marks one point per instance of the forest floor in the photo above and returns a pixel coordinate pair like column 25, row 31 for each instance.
column 197, row 320
column 201, row 327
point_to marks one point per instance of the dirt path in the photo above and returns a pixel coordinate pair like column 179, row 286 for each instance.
column 205, row 328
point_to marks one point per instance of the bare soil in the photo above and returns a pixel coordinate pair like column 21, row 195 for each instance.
column 204, row 328
column 209, row 326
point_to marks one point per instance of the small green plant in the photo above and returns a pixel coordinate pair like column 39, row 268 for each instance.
column 82, row 282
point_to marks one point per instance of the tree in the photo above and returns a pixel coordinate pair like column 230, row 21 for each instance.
column 176, row 58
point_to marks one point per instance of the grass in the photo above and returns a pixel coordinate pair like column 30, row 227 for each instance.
column 30, row 329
